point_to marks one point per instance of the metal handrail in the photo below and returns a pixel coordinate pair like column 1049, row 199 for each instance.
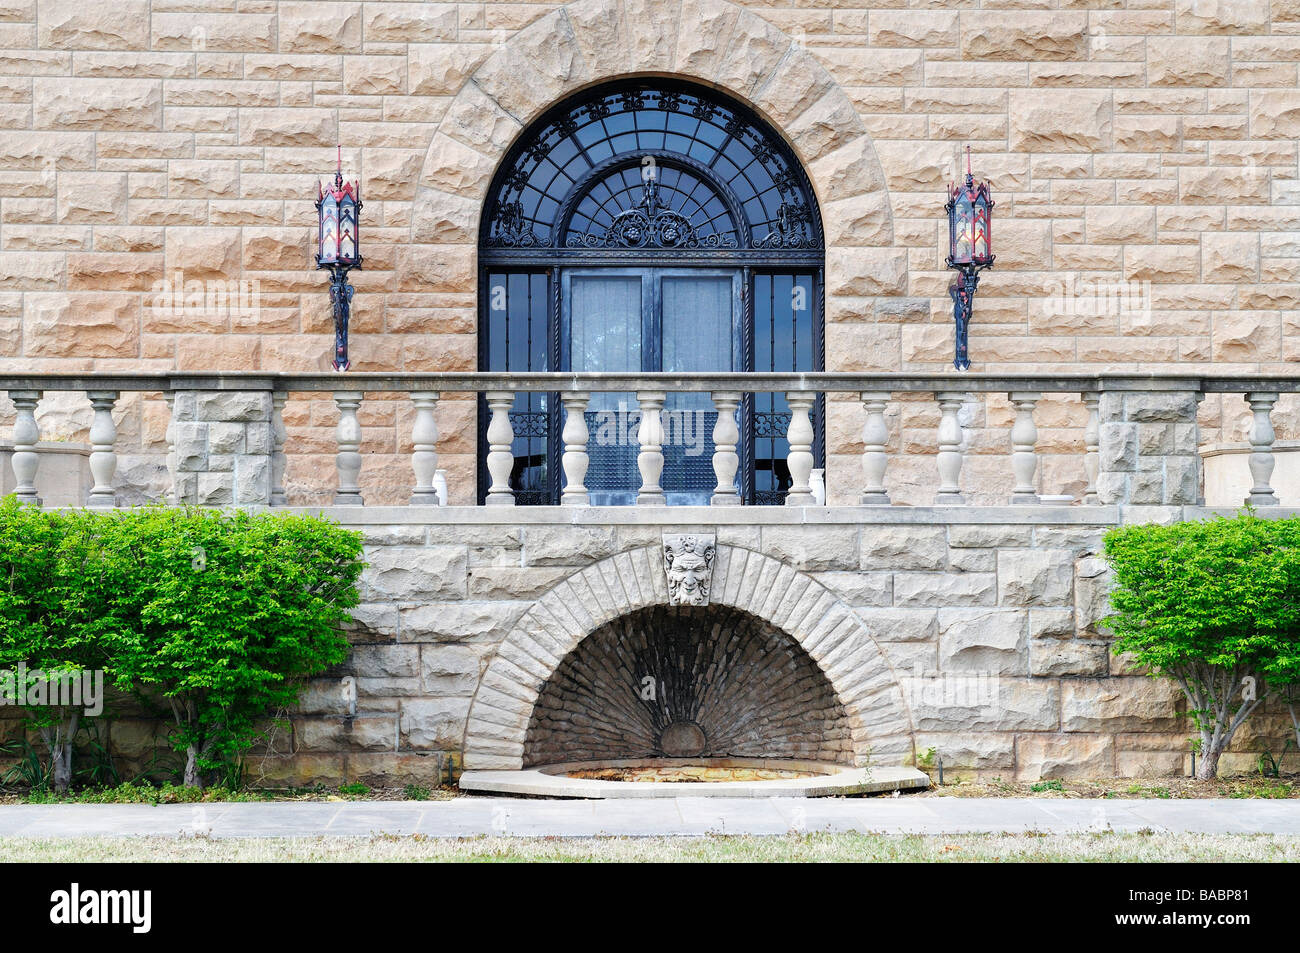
column 452, row 382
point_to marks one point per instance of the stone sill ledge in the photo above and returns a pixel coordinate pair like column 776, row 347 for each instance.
column 694, row 516
column 713, row 515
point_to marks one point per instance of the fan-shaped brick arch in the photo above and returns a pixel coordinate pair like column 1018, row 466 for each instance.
column 792, row 601
column 708, row 41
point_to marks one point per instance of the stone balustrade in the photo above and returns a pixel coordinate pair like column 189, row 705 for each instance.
column 226, row 440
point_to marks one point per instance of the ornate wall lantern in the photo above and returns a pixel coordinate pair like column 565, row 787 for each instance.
column 339, row 209
column 970, row 250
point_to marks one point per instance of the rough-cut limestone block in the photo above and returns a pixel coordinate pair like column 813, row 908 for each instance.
column 213, row 32
column 360, row 733
column 1187, row 61
column 441, row 69
column 1107, row 224
column 1122, row 704
column 1040, row 756
column 983, row 640
column 202, row 254
column 406, row 575
column 320, row 28
column 1224, row 17
column 706, row 29
column 826, row 125
column 477, row 120
column 1052, row 120
column 1035, row 577
column 97, row 104
column 970, row 702
column 798, row 81
column 859, row 588
column 1247, row 336
column 474, row 621
column 971, row 751
column 910, row 28
column 92, row 197
column 1023, row 35
column 904, row 547
column 1275, row 114
column 402, row 23
column 540, row 65
column 1229, row 256
column 860, row 220
column 939, row 589
column 76, row 25
column 81, row 325
column 815, row 548
column 450, row 669
column 295, row 127
column 451, row 166
column 866, row 271
column 434, row 722
column 373, row 622
column 1066, row 657
column 1092, row 592
column 850, row 170
column 752, row 54
column 650, row 28
column 899, row 625
column 567, row 545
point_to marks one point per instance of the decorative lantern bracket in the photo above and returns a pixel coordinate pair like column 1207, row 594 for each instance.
column 970, row 242
column 339, row 212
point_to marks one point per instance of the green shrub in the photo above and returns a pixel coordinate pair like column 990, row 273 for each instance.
column 213, row 616
column 1214, row 605
column 49, row 619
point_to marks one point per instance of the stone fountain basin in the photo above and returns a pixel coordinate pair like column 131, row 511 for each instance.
column 818, row 779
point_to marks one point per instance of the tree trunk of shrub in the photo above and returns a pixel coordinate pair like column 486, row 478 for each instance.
column 193, row 779
column 1207, row 765
column 58, row 741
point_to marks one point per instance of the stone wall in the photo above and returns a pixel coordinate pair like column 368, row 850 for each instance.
column 971, row 632
column 159, row 161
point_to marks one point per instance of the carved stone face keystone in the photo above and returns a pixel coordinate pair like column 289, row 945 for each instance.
column 688, row 563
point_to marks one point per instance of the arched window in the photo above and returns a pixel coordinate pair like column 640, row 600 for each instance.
column 646, row 226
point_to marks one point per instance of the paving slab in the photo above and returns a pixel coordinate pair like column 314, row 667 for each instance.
column 472, row 816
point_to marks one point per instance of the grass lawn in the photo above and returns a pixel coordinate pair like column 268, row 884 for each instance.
column 1137, row 847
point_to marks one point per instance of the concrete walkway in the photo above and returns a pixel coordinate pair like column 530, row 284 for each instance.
column 471, row 816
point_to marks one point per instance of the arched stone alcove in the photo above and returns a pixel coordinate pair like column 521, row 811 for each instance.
column 686, row 682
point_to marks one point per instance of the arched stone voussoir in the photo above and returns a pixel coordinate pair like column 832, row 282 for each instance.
column 816, row 618
column 714, row 42
column 538, row 66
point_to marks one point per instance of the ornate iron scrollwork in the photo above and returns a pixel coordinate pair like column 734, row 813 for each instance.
column 649, row 226
column 712, row 137
column 513, row 230
column 790, row 230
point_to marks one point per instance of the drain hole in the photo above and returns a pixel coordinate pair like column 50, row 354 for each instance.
column 682, row 739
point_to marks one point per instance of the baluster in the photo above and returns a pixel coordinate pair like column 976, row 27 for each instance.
column 173, row 491
column 1261, row 449
column 800, row 459
column 1024, row 440
column 575, row 460
column 650, row 458
column 875, row 437
column 950, row 455
column 103, row 436
column 1092, row 445
column 424, row 454
column 726, row 435
column 27, row 433
column 279, row 435
column 501, row 457
column 349, row 455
